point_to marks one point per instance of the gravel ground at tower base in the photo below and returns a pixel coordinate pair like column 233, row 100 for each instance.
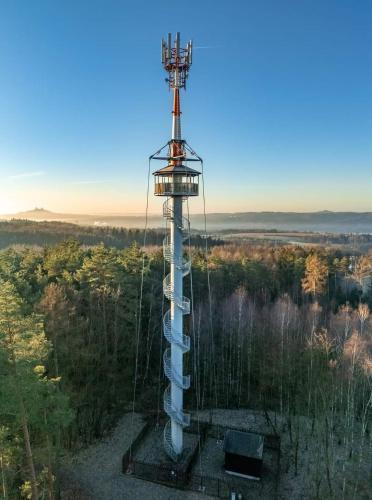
column 95, row 472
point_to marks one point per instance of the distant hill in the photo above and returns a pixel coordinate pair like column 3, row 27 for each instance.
column 36, row 213
column 323, row 221
column 41, row 214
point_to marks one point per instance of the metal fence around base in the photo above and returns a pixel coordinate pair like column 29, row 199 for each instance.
column 171, row 476
column 209, row 486
column 181, row 477
column 178, row 479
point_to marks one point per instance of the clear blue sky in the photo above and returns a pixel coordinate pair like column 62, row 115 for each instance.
column 279, row 102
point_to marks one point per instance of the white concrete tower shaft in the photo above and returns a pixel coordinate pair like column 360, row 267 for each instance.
column 177, row 320
column 176, row 278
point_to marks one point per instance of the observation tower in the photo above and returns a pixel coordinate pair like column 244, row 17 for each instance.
column 176, row 181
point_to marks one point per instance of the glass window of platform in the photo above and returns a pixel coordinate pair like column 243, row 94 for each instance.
column 177, row 184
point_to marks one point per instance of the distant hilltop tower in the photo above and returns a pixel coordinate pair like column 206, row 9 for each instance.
column 177, row 182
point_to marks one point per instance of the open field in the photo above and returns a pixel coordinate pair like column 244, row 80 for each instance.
column 346, row 241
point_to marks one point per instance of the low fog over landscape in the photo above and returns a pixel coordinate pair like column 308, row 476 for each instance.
column 323, row 221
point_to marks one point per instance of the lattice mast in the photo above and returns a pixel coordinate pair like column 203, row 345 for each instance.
column 176, row 181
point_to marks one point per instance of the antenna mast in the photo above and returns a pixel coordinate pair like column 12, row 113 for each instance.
column 177, row 182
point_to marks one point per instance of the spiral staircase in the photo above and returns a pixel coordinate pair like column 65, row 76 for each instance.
column 173, row 337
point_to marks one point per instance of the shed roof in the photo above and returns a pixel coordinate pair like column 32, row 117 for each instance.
column 245, row 444
column 176, row 169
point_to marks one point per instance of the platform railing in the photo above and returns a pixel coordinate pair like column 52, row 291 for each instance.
column 176, row 188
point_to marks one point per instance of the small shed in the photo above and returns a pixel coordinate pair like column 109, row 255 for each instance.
column 243, row 454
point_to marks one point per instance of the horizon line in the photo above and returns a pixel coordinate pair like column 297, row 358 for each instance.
column 158, row 214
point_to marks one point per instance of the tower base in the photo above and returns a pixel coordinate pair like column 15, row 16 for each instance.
column 152, row 463
column 201, row 466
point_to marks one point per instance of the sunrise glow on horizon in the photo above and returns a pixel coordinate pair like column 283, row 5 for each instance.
column 284, row 124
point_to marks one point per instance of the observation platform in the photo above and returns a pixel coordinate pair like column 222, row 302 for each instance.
column 176, row 180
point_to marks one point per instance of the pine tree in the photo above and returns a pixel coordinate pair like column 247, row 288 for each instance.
column 26, row 394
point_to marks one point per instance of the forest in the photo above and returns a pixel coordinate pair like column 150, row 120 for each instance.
column 276, row 328
column 33, row 233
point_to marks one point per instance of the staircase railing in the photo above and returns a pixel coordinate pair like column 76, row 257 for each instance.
column 172, row 336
